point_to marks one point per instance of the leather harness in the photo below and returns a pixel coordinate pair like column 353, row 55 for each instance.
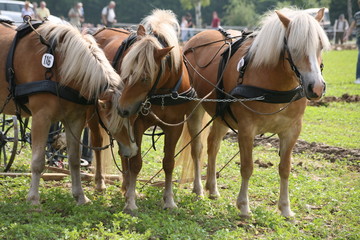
column 156, row 99
column 20, row 92
column 247, row 91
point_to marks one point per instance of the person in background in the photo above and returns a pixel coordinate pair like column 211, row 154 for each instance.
column 184, row 29
column 215, row 23
column 42, row 12
column 355, row 23
column 27, row 10
column 35, row 7
column 340, row 26
column 190, row 24
column 75, row 16
column 108, row 15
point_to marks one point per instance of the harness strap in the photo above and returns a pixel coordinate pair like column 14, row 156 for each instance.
column 221, row 106
column 22, row 91
column 21, row 32
column 157, row 80
column 270, row 96
column 123, row 47
column 291, row 61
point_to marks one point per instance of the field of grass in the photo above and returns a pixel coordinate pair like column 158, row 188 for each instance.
column 324, row 195
column 339, row 72
column 339, row 123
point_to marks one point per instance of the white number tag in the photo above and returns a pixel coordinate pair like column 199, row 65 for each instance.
column 47, row 60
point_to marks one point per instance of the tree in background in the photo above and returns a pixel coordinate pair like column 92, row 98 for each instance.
column 240, row 13
column 197, row 4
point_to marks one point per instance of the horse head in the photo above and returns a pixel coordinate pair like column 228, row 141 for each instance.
column 143, row 70
column 121, row 129
column 304, row 40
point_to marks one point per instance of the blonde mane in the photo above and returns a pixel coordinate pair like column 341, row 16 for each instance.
column 304, row 37
column 164, row 25
column 84, row 65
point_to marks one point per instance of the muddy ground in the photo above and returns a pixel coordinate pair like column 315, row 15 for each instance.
column 344, row 98
column 330, row 153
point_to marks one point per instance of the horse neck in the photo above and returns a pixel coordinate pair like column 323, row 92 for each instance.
column 172, row 76
column 279, row 77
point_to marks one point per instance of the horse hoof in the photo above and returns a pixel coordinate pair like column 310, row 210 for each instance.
column 83, row 201
column 101, row 189
column 131, row 212
column 214, row 196
column 245, row 216
column 169, row 206
column 33, row 200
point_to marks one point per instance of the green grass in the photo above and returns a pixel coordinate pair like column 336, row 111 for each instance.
column 323, row 194
column 339, row 72
column 337, row 124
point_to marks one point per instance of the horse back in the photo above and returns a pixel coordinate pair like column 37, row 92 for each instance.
column 110, row 40
column 204, row 53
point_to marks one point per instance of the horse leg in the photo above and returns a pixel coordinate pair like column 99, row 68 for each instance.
column 246, row 169
column 131, row 169
column 96, row 141
column 287, row 142
column 73, row 135
column 39, row 134
column 194, row 126
column 171, row 138
column 217, row 132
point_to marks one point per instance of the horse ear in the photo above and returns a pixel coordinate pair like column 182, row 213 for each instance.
column 141, row 31
column 285, row 20
column 320, row 14
column 161, row 53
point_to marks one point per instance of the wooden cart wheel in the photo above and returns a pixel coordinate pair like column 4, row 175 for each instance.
column 9, row 136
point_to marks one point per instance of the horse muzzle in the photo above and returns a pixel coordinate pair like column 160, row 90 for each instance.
column 315, row 91
column 128, row 151
column 129, row 110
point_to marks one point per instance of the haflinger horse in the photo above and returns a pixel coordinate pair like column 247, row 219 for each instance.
column 274, row 67
column 152, row 70
column 54, row 73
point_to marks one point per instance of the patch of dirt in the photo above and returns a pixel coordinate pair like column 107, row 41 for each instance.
column 326, row 100
column 330, row 153
column 346, row 46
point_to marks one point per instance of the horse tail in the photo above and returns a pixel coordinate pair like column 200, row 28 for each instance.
column 106, row 162
column 184, row 159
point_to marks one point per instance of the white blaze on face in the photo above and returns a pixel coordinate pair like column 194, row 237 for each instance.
column 315, row 77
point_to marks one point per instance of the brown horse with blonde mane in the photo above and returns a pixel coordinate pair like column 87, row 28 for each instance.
column 274, row 67
column 152, row 70
column 58, row 74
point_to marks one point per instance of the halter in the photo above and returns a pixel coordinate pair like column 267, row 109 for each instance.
column 292, row 64
column 172, row 97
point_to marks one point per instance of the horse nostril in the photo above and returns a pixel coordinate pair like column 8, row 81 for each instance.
column 123, row 113
column 310, row 88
